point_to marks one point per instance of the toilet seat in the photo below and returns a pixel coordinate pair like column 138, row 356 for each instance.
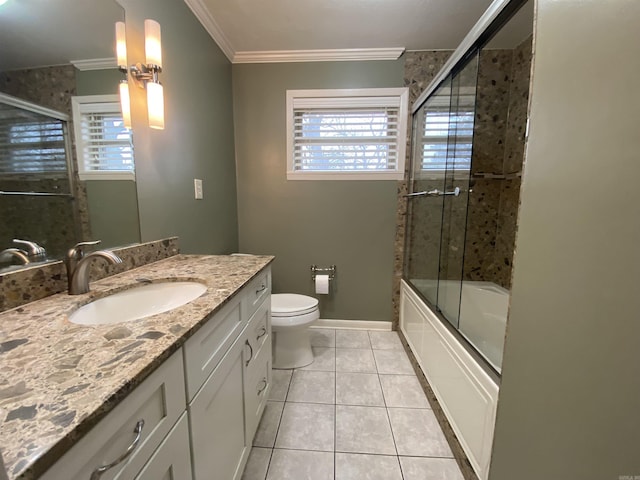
column 292, row 305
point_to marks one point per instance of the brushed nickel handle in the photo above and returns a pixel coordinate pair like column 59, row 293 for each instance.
column 264, row 381
column 97, row 473
column 263, row 332
column 261, row 289
column 246, row 364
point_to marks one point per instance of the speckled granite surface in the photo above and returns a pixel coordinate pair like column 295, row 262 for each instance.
column 59, row 379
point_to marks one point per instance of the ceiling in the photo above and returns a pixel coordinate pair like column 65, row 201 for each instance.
column 242, row 26
column 46, row 32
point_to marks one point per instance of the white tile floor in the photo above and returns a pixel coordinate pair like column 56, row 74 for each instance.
column 356, row 413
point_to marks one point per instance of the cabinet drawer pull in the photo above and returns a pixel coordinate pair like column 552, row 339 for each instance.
column 261, row 289
column 248, row 344
column 260, row 390
column 263, row 332
column 97, row 473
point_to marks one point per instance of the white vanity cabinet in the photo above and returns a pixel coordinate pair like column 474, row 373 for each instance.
column 200, row 408
column 225, row 411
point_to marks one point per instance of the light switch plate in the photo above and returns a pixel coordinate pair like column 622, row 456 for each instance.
column 197, row 184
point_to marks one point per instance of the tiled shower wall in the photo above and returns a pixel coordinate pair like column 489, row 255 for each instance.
column 50, row 87
column 502, row 100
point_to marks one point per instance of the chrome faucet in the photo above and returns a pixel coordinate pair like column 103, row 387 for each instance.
column 17, row 253
column 77, row 264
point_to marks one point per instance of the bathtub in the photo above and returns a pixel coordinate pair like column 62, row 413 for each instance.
column 465, row 388
column 483, row 312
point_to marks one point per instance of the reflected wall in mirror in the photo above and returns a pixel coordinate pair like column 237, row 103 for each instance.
column 52, row 52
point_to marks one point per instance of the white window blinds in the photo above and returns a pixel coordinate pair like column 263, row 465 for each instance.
column 31, row 143
column 341, row 134
column 103, row 144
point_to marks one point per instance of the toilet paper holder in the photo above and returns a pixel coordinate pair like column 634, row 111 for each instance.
column 316, row 270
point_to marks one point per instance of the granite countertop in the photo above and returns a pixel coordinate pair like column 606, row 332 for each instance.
column 58, row 379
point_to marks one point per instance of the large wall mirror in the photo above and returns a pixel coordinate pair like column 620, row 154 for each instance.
column 51, row 53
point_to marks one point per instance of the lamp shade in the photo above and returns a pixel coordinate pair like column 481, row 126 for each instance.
column 152, row 43
column 121, row 44
column 155, row 105
column 125, row 103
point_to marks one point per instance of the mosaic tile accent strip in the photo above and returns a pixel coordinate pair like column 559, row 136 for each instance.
column 40, row 281
column 48, row 394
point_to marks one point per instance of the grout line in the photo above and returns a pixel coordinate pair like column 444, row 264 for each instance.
column 335, row 414
column 393, row 437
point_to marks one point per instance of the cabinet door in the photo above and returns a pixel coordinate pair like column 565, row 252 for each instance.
column 216, row 414
column 171, row 461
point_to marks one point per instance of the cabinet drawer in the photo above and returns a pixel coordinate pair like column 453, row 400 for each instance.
column 257, row 291
column 205, row 349
column 259, row 328
column 257, row 387
column 159, row 401
column 172, row 459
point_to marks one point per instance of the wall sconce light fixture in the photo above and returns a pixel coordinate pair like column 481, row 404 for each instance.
column 121, row 55
column 145, row 75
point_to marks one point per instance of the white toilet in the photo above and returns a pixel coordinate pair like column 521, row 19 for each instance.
column 291, row 316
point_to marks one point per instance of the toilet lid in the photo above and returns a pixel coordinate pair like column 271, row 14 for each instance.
column 290, row 304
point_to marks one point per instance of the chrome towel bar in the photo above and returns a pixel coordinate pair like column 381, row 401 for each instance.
column 433, row 193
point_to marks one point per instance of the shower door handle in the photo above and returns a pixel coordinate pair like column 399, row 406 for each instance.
column 433, row 193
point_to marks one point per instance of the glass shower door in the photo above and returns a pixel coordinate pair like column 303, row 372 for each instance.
column 456, row 190
column 424, row 209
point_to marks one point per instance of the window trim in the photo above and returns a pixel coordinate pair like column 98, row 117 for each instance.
column 349, row 98
column 76, row 103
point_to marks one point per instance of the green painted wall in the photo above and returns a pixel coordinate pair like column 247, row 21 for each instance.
column 98, row 82
column 113, row 204
column 197, row 141
column 112, row 212
column 570, row 393
column 347, row 223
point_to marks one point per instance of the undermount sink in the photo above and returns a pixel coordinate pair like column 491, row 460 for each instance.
column 137, row 303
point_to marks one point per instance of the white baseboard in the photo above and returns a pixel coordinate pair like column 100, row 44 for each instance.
column 352, row 324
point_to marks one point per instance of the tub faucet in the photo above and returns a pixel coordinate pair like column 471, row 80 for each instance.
column 77, row 264
column 21, row 255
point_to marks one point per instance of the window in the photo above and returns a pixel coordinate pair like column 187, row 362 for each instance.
column 103, row 145
column 31, row 143
column 346, row 134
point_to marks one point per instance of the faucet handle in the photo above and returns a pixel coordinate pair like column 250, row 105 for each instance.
column 77, row 251
column 31, row 247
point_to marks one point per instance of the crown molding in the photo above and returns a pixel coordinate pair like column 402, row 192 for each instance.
column 332, row 55
column 94, row 64
column 204, row 16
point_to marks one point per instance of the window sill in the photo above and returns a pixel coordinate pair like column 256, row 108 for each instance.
column 344, row 175
column 104, row 175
